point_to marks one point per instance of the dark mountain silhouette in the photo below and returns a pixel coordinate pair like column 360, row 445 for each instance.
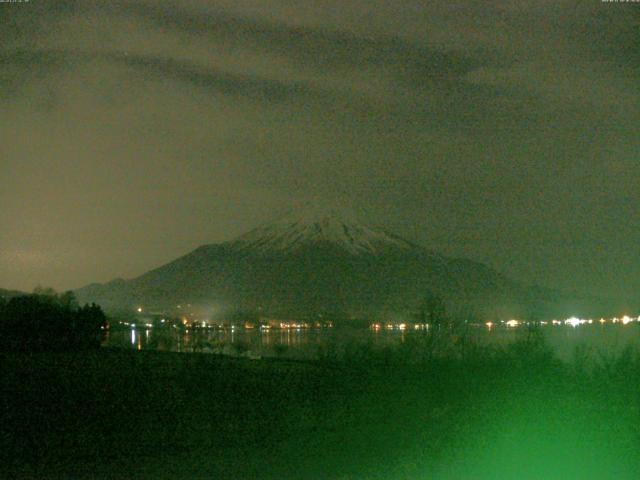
column 318, row 263
column 7, row 294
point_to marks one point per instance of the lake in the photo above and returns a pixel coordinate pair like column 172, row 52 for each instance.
column 306, row 343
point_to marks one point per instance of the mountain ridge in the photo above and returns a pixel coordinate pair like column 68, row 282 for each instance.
column 320, row 264
column 293, row 230
column 8, row 294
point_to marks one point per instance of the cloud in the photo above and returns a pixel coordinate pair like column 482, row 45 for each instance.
column 594, row 84
column 133, row 131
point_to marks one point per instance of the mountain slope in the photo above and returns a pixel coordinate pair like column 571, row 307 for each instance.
column 319, row 263
column 7, row 294
column 292, row 233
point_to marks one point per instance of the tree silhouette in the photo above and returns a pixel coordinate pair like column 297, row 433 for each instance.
column 433, row 310
column 47, row 321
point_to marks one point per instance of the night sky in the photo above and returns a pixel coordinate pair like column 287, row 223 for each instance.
column 503, row 131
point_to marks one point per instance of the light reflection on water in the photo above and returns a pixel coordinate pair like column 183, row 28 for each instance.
column 307, row 343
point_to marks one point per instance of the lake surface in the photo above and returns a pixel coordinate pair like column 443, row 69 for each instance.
column 306, row 343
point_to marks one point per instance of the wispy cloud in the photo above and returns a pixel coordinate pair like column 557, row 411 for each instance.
column 447, row 120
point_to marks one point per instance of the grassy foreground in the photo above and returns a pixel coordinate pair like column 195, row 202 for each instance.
column 515, row 413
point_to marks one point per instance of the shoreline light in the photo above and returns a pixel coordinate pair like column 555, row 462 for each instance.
column 575, row 321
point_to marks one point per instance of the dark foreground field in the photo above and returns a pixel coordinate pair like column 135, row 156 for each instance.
column 511, row 414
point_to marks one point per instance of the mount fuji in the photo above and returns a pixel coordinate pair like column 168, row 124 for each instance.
column 316, row 227
column 322, row 262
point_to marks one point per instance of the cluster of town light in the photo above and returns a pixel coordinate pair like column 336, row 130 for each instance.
column 247, row 326
column 513, row 323
column 135, row 325
column 289, row 325
column 572, row 321
column 399, row 326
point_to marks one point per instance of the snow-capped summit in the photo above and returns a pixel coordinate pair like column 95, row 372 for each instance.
column 316, row 225
column 316, row 261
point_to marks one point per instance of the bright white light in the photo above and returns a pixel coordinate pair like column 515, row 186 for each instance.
column 574, row 321
column 626, row 319
column 513, row 323
column 139, row 309
column 489, row 324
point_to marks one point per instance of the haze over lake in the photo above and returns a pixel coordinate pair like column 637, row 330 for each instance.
column 306, row 343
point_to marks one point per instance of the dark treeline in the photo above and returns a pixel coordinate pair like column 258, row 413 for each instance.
column 46, row 320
